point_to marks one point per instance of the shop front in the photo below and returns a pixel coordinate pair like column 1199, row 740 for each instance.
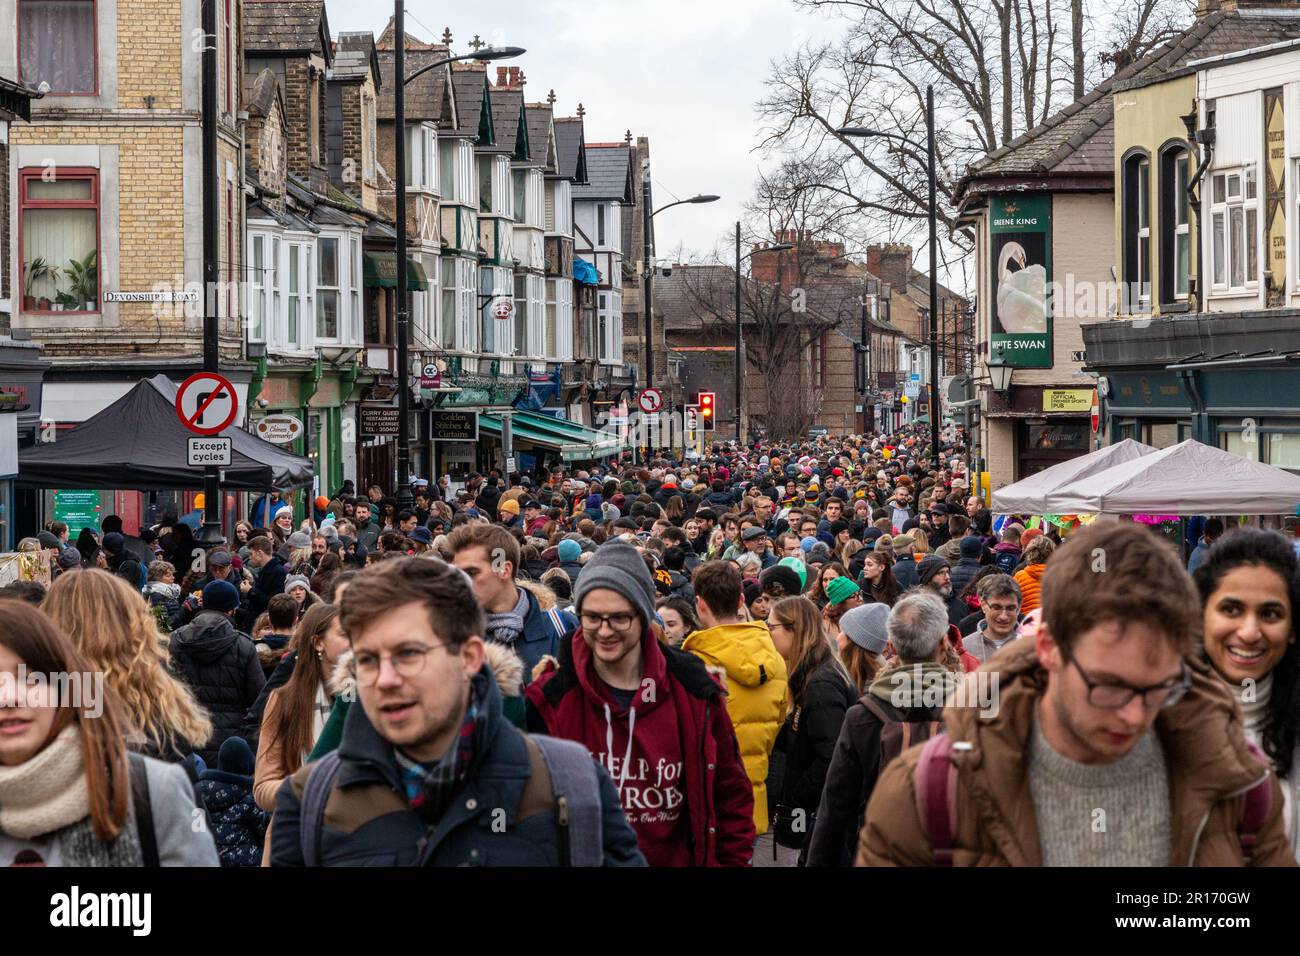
column 1230, row 381
column 1035, row 427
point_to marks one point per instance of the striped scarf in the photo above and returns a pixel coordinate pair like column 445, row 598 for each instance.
column 430, row 787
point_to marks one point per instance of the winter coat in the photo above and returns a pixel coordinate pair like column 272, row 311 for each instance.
column 541, row 637
column 756, row 685
column 368, row 821
column 1030, row 579
column 269, row 583
column 851, row 776
column 963, row 573
column 808, row 739
column 1205, row 751
column 250, row 728
column 237, row 823
column 219, row 664
column 167, row 597
column 678, row 724
column 905, row 573
column 572, row 569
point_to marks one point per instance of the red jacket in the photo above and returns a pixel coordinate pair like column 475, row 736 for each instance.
column 969, row 661
column 683, row 754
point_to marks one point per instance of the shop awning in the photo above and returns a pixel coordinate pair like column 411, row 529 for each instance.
column 574, row 442
column 380, row 271
column 138, row 443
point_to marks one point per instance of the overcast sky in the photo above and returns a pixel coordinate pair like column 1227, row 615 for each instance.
column 686, row 73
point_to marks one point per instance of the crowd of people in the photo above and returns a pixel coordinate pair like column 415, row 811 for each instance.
column 766, row 656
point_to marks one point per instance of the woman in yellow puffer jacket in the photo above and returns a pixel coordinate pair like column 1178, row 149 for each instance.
column 754, row 675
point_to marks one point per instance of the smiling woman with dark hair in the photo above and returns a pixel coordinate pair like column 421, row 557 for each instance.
column 1249, row 588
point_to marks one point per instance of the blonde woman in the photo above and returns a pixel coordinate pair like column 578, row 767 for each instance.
column 821, row 692
column 111, row 625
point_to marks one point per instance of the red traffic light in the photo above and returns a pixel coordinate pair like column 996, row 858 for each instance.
column 706, row 403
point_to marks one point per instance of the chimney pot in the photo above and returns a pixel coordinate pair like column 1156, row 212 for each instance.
column 502, row 73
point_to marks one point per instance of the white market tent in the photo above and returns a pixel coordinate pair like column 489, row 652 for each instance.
column 1185, row 479
column 1035, row 495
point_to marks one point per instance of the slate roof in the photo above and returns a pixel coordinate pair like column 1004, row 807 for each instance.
column 467, row 88
column 424, row 95
column 609, row 174
column 354, row 55
column 507, row 107
column 286, row 26
column 570, row 148
column 1079, row 139
column 539, row 135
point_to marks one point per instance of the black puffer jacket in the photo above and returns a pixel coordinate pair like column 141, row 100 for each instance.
column 220, row 665
column 808, row 738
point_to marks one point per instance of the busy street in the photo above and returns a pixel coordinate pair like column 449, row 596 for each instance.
column 790, row 435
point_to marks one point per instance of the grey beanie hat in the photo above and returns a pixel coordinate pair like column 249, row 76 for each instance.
column 296, row 580
column 617, row 566
column 866, row 626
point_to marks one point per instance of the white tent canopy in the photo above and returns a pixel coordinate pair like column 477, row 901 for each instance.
column 1186, row 479
column 1035, row 495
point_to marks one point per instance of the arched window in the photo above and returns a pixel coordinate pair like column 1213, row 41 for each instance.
column 1137, row 231
column 1175, row 227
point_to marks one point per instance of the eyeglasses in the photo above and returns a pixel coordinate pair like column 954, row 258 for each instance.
column 1003, row 608
column 1115, row 696
column 619, row 623
column 407, row 661
column 775, row 624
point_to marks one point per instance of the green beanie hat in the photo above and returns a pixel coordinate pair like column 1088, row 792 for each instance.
column 841, row 589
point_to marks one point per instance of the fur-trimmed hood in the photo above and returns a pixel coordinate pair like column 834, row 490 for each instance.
column 546, row 599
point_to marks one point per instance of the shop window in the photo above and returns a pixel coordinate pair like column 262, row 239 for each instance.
column 1160, row 434
column 1234, row 211
column 1057, row 437
column 1175, row 232
column 59, row 236
column 1282, row 449
column 56, row 45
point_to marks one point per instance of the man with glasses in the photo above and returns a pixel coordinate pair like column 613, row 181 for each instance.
column 651, row 715
column 999, row 596
column 429, row 772
column 1106, row 744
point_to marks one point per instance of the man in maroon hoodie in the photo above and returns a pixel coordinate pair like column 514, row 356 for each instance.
column 652, row 716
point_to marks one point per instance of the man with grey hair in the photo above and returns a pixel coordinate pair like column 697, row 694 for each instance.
column 899, row 709
column 1000, row 598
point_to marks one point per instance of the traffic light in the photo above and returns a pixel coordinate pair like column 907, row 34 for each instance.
column 706, row 404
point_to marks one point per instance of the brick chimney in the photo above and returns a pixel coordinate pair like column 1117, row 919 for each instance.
column 892, row 263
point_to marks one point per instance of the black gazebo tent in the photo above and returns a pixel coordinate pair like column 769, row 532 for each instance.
column 138, row 443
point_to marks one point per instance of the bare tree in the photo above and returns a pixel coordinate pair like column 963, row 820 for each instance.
column 994, row 66
column 783, row 313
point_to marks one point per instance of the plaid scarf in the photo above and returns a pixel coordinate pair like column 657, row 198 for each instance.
column 505, row 627
column 430, row 787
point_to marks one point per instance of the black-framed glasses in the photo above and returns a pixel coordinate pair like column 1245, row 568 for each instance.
column 1115, row 696
column 407, row 661
column 619, row 623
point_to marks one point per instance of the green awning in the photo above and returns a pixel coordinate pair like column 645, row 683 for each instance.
column 381, row 271
column 574, row 442
column 599, row 443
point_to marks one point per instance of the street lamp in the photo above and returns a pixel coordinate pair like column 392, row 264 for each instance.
column 648, row 243
column 740, row 362
column 404, row 497
column 1000, row 371
column 866, row 133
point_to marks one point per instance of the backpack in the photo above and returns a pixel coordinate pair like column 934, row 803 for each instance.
column 574, row 796
column 935, row 784
column 1006, row 561
column 897, row 735
column 139, row 780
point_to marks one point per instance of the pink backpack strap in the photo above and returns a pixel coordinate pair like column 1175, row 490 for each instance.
column 936, row 797
column 1255, row 805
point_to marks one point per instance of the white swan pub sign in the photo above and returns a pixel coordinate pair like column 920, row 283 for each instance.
column 1020, row 228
